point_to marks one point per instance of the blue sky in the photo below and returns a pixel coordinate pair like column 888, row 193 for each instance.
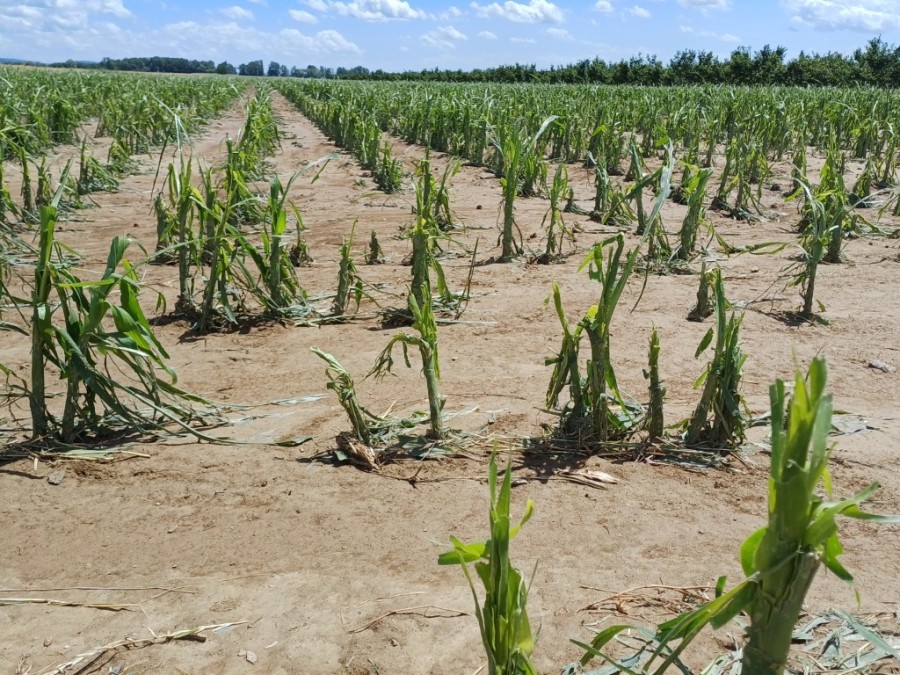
column 416, row 34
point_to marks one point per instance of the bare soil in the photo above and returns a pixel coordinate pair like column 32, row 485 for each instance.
column 332, row 569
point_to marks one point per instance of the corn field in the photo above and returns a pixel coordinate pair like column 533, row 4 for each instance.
column 179, row 255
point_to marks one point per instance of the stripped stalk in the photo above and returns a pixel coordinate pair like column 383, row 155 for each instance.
column 427, row 342
column 655, row 417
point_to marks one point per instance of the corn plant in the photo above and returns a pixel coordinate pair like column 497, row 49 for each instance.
column 427, row 343
column 637, row 169
column 610, row 204
column 92, row 175
column 556, row 229
column 375, row 254
column 95, row 341
column 781, row 559
column 349, row 283
column 299, row 253
column 220, row 300
column 511, row 154
column 8, row 210
column 366, row 425
column 694, row 193
column 29, row 209
column 259, row 136
column 566, row 366
column 826, row 214
column 718, row 419
column 657, row 390
column 514, row 152
column 388, row 173
column 433, row 196
column 244, row 208
column 502, row 617
column 705, row 301
column 273, row 282
column 593, row 394
column 433, row 213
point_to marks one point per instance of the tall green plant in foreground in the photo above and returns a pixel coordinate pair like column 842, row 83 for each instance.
column 502, row 618
column 781, row 559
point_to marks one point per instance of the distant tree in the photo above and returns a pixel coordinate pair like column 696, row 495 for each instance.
column 253, row 69
column 225, row 68
column 274, row 69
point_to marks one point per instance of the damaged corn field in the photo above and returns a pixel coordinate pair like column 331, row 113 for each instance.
column 272, row 349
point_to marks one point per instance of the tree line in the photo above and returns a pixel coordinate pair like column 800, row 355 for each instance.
column 876, row 64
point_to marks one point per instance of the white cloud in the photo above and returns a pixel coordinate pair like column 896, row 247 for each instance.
column 331, row 42
column 861, row 15
column 302, row 16
column 237, row 13
column 639, row 12
column 444, row 37
column 721, row 37
column 317, row 5
column 534, row 11
column 220, row 38
column 451, row 12
column 377, row 10
column 487, row 35
column 559, row 34
column 86, row 30
column 705, row 4
column 55, row 30
column 603, row 6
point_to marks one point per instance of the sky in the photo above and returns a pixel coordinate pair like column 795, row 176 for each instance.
column 398, row 35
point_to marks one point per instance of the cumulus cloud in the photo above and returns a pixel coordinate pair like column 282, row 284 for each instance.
column 302, row 16
column 534, row 11
column 445, row 37
column 88, row 29
column 870, row 16
column 288, row 42
column 487, row 35
column 639, row 12
column 377, row 10
column 237, row 13
column 47, row 30
column 603, row 6
column 317, row 5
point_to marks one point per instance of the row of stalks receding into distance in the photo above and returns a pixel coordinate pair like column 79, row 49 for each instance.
column 237, row 249
column 237, row 242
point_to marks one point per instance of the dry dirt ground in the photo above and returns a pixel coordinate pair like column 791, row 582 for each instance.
column 331, row 569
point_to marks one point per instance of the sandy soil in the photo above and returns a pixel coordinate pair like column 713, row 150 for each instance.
column 332, row 569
